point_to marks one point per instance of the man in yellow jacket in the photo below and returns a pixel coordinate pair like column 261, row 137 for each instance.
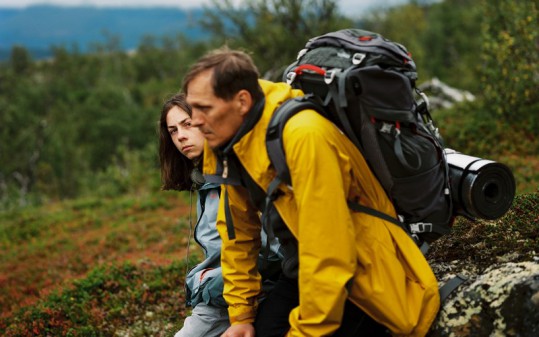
column 355, row 272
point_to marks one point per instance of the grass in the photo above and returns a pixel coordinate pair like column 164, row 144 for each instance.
column 123, row 276
column 94, row 267
column 118, row 277
column 141, row 299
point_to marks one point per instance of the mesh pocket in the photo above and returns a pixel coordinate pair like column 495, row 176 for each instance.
column 421, row 197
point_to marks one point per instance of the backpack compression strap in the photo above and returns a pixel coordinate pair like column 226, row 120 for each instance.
column 337, row 92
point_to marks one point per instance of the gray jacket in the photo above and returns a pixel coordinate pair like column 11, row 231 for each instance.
column 204, row 283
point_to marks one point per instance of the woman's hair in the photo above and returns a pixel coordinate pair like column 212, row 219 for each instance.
column 175, row 167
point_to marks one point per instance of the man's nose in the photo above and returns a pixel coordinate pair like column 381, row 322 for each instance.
column 196, row 119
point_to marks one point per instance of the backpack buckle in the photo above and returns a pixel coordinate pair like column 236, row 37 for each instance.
column 425, row 99
column 290, row 77
column 357, row 58
column 420, row 227
column 329, row 76
column 386, row 128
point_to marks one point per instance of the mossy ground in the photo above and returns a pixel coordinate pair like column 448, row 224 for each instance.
column 116, row 267
column 95, row 267
column 481, row 243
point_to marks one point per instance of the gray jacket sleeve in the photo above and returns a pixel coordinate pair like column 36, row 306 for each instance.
column 205, row 281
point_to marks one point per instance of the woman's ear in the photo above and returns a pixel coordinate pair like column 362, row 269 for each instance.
column 245, row 101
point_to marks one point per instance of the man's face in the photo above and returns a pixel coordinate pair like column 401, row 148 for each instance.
column 217, row 119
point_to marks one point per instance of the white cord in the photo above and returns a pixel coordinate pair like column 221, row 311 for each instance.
column 190, row 232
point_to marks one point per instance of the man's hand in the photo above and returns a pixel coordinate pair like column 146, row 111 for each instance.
column 240, row 330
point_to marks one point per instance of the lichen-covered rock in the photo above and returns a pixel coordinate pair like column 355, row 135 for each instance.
column 501, row 301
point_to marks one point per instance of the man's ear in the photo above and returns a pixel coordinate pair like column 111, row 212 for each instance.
column 244, row 101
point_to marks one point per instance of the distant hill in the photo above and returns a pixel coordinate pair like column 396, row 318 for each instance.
column 37, row 28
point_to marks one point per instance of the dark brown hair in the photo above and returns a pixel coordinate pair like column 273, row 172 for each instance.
column 233, row 70
column 175, row 167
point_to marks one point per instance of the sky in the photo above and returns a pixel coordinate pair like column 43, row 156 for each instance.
column 349, row 6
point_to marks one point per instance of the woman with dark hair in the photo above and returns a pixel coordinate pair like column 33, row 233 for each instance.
column 176, row 167
column 180, row 152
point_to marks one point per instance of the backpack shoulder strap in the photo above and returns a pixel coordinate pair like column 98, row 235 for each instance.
column 275, row 149
column 274, row 134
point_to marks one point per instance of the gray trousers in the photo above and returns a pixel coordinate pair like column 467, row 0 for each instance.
column 205, row 321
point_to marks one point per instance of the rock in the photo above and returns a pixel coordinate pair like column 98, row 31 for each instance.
column 441, row 95
column 501, row 301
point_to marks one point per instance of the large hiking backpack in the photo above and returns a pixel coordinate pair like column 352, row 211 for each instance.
column 365, row 84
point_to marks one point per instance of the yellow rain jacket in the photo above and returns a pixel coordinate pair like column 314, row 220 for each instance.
column 342, row 254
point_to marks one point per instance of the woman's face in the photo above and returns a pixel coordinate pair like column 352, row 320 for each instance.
column 188, row 140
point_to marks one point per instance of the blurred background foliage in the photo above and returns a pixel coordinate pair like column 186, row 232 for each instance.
column 82, row 124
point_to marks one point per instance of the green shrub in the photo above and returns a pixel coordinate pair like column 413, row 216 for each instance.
column 138, row 300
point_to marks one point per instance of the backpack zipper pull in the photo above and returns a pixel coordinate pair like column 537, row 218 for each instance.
column 225, row 168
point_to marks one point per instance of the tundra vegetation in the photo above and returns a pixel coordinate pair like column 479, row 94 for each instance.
column 90, row 246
